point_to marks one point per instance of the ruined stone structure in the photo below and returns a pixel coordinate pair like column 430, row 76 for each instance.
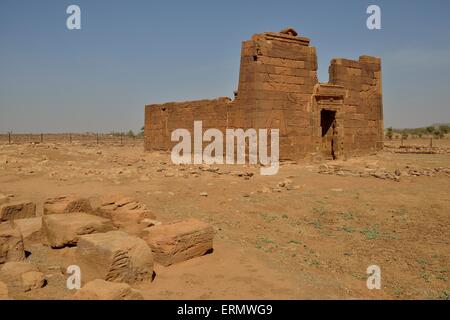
column 278, row 88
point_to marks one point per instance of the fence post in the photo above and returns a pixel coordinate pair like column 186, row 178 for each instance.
column 431, row 142
column 97, row 137
column 402, row 140
column 9, row 137
column 42, row 137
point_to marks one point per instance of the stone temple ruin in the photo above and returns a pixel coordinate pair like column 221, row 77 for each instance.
column 279, row 89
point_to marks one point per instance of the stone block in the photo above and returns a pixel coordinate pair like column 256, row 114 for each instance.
column 30, row 228
column 114, row 256
column 11, row 243
column 17, row 210
column 126, row 213
column 65, row 229
column 179, row 241
column 66, row 204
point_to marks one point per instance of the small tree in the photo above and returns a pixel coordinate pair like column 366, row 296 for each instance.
column 430, row 129
column 389, row 133
column 141, row 133
column 130, row 133
column 444, row 129
column 439, row 134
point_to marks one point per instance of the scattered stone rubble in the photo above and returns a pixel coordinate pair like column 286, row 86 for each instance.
column 380, row 173
column 417, row 149
column 117, row 244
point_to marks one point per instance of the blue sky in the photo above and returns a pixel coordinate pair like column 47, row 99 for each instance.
column 132, row 53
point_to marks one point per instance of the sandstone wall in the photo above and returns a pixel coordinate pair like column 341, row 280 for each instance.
column 277, row 78
column 278, row 88
column 363, row 114
column 162, row 119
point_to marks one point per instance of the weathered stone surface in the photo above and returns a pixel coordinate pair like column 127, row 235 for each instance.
column 22, row 276
column 11, row 243
column 4, row 292
column 105, row 290
column 114, row 256
column 126, row 213
column 30, row 228
column 17, row 210
column 32, row 280
column 179, row 241
column 66, row 204
column 65, row 229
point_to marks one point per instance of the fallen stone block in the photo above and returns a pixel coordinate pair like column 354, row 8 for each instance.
column 65, row 229
column 29, row 228
column 126, row 213
column 11, row 243
column 17, row 210
column 66, row 204
column 114, row 256
column 22, row 276
column 179, row 241
column 105, row 290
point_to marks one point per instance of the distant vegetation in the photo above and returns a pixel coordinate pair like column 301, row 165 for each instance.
column 130, row 133
column 435, row 131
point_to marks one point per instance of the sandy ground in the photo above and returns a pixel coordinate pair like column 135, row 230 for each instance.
column 300, row 234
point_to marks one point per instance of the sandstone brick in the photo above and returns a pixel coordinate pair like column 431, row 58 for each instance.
column 65, row 229
column 17, row 210
column 30, row 229
column 66, row 204
column 179, row 241
column 114, row 256
column 105, row 290
column 125, row 212
column 11, row 243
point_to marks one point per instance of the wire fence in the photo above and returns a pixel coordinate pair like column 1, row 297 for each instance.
column 74, row 138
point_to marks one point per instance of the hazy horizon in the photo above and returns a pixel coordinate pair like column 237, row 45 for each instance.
column 129, row 54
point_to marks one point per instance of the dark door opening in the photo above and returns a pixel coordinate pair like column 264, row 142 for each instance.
column 328, row 124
